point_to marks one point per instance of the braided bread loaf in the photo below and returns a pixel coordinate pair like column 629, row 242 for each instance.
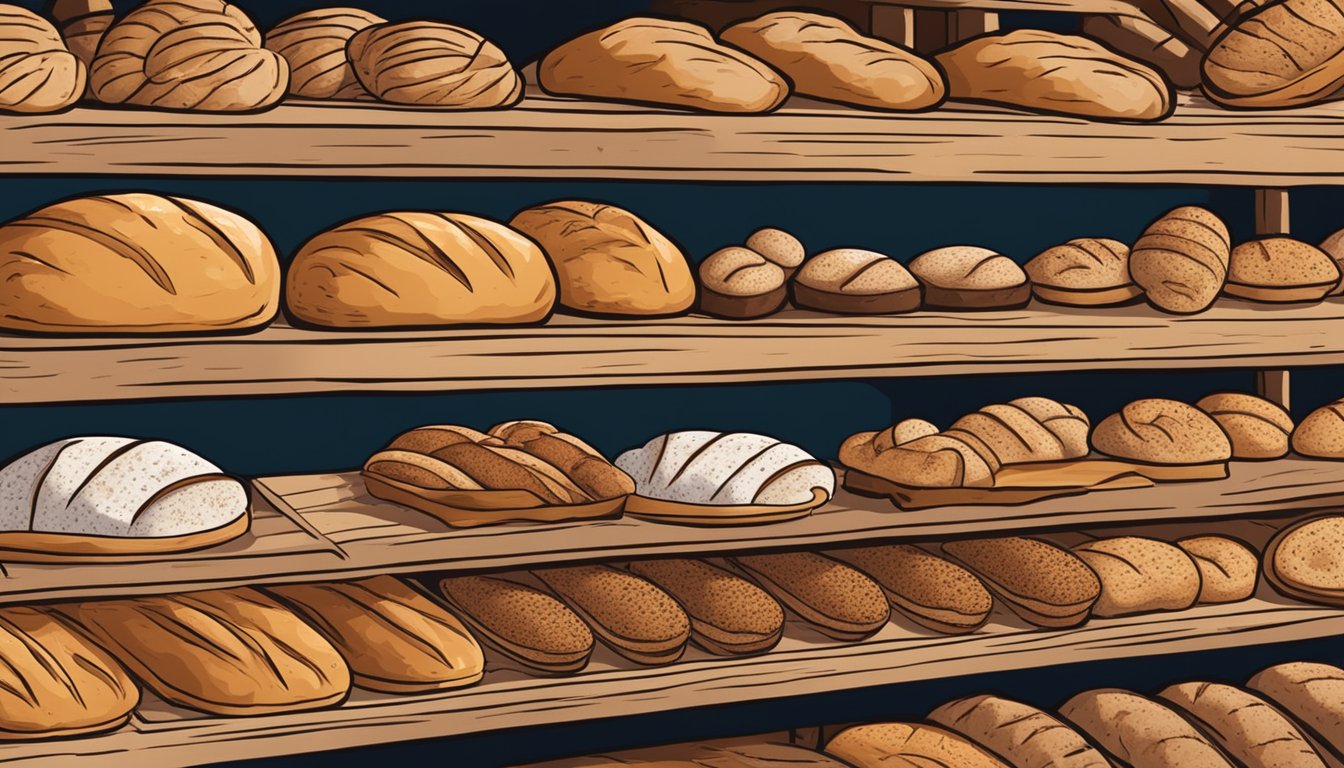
column 37, row 72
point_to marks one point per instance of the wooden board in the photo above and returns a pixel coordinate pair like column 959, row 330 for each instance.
column 575, row 352
column 806, row 141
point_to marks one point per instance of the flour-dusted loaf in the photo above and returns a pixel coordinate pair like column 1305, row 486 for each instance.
column 1021, row 734
column 1159, row 431
column 1285, row 54
column 725, row 468
column 1321, row 433
column 1257, row 428
column 1051, row 72
column 608, row 260
column 929, row 590
column 1140, row 38
column 37, row 72
column 826, row 58
column 1228, row 569
column 970, row 277
column 659, row 61
column 1181, row 259
column 1280, row 270
column 779, row 247
column 908, row 745
column 1140, row 575
column 433, row 64
column 1246, row 726
column 1313, row 695
column 1084, row 272
column 313, row 43
column 855, row 281
column 739, row 283
column 838, row 599
column 197, row 55
column 225, row 652
column 1044, row 584
column 631, row 615
column 729, row 614
column 1139, row 731
column 526, row 623
column 419, row 269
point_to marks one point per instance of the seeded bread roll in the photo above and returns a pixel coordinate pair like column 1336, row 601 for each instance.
column 739, row 283
column 779, row 247
column 1257, row 428
column 837, row 599
column 526, row 624
column 907, row 745
column 1247, row 727
column 1228, row 569
column 1085, row 272
column 1282, row 55
column 1140, row 575
column 1160, row 431
column 432, row 64
column 1139, row 38
column 1306, row 560
column 313, row 43
column 855, row 281
column 1139, row 731
column 729, row 615
column 632, row 616
column 931, row 591
column 1313, row 694
column 1321, row 434
column 1280, row 270
column 37, row 73
column 1021, row 734
column 1181, row 260
column 967, row 277
column 1044, row 584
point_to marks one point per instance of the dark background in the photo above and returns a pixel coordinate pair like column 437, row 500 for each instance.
column 312, row 433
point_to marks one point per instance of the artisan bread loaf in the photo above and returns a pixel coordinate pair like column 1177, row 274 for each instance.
column 1279, row 270
column 1084, row 272
column 659, row 61
column 725, row 468
column 1157, row 431
column 1228, row 569
column 1021, row 734
column 779, row 247
column 929, row 590
column 825, row 58
column 55, row 682
column 1282, row 55
column 83, row 24
column 199, row 55
column 902, row 432
column 1247, row 727
column 1044, row 584
column 1256, row 427
column 135, row 263
column 1138, row 731
column 1181, row 260
column 729, row 614
column 855, row 281
column 907, row 745
column 432, row 64
column 1333, row 246
column 739, row 283
column 1139, row 38
column 838, row 600
column 1140, row 575
column 631, row 615
column 578, row 460
column 1050, row 72
column 967, row 277
column 608, row 260
column 932, row 461
column 1028, row 429
column 313, row 44
column 1313, row 694
column 527, row 624
column 225, row 652
column 1306, row 560
column 394, row 637
column 1321, row 434
column 37, row 72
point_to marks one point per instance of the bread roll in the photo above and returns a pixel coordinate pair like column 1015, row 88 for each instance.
column 637, row 619
column 526, row 624
column 394, row 638
column 725, row 468
column 929, row 590
column 967, row 277
column 1257, row 428
column 838, row 600
column 432, row 64
column 37, row 73
column 54, row 682
column 225, row 652
column 855, row 281
column 902, row 432
column 1140, row 575
column 1085, row 272
column 907, row 745
column 779, row 247
column 1021, row 734
column 1280, row 269
column 729, row 615
column 1049, row 72
column 659, row 61
column 1313, row 694
column 1044, row 584
column 1138, row 731
column 313, row 43
column 419, row 270
column 83, row 24
column 198, row 55
column 1306, row 560
column 1181, row 260
column 1228, row 569
column 1158, row 431
column 1321, row 434
column 739, row 283
column 609, row 261
column 1283, row 55
column 825, row 58
column 135, row 263
column 746, row 752
column 1250, row 730
column 1138, row 37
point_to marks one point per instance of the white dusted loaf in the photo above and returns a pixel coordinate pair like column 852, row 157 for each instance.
column 725, row 468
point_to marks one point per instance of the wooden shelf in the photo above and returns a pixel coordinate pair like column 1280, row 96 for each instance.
column 1118, row 7
column 575, row 352
column 806, row 141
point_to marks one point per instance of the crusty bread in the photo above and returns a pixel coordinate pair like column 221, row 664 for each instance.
column 837, row 599
column 1321, row 433
column 739, row 283
column 1247, row 727
column 1313, row 694
column 1140, row 575
column 38, row 73
column 1027, row 429
column 968, row 277
column 313, row 43
column 82, row 24
column 1228, row 569
column 729, row 614
column 1256, row 427
column 579, row 461
column 1306, row 560
column 780, row 247
column 525, row 623
column 1138, row 37
column 902, row 432
column 433, row 64
column 725, row 468
column 932, row 461
column 1279, row 270
column 855, row 281
column 1139, row 731
column 1084, row 272
column 1044, row 584
column 1181, row 260
column 659, row 61
column 1158, row 431
column 1019, row 733
column 930, row 590
column 1282, row 55
column 1333, row 246
column 637, row 619
column 745, row 752
column 908, row 745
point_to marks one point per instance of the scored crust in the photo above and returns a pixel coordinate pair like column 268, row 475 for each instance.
column 1140, row 575
column 1160, row 431
column 630, row 613
column 833, row 596
column 1082, row 264
column 1181, row 259
column 1256, row 427
column 526, row 623
column 1019, row 732
column 1228, row 569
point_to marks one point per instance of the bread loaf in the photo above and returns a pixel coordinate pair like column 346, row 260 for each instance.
column 83, row 24
column 748, row 752
column 1306, row 560
column 135, row 263
column 929, row 590
column 902, row 432
column 1321, row 434
column 1257, row 428
column 739, row 283
column 1313, row 694
column 1181, row 260
column 838, row 600
column 1021, row 734
column 313, row 44
column 417, row 270
column 1085, row 272
column 1333, row 246
column 609, row 261
column 1282, row 55
column 632, row 616
column 1049, row 72
column 729, row 615
column 779, row 247
column 1140, row 575
column 225, row 652
column 1280, row 269
column 1250, row 730
column 1138, row 37
column 725, row 468
column 1228, row 569
column 825, row 58
column 1141, row 732
column 432, row 64
column 523, row 622
column 658, row 61
column 394, row 638
column 54, row 682
column 1028, row 429
column 907, row 745
column 1158, row 431
column 199, row 55
column 37, row 73
column 1044, row 584
column 967, row 277
column 855, row 281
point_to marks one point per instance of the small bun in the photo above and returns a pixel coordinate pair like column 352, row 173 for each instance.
column 779, row 247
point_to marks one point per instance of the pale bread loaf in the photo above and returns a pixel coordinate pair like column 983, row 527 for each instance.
column 930, row 590
column 37, row 73
column 1159, row 431
column 1321, row 434
column 1247, row 727
column 433, row 64
column 970, row 277
column 1181, row 260
column 780, row 247
column 1140, row 575
column 1021, row 734
column 1306, row 559
column 1313, row 694
column 1085, row 272
column 1228, row 569
column 1282, row 55
column 908, row 745
column 725, row 468
column 1256, row 427
column 740, row 283
column 527, row 624
column 855, row 281
column 1044, row 584
column 313, row 43
column 1280, row 269
column 836, row 598
column 1140, row 731
column 729, row 614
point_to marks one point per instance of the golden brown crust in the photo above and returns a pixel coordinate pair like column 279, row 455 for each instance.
column 1313, row 694
column 1284, row 54
column 1257, row 428
column 1140, row 731
column 1307, row 557
column 433, row 64
column 1159, row 431
column 37, row 73
column 1181, row 260
column 1247, row 727
column 1280, row 269
column 1085, row 265
column 1228, row 569
column 313, row 43
column 908, row 745
column 1321, row 434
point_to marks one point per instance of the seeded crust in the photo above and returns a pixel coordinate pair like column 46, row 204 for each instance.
column 1308, row 557
column 779, row 247
column 963, row 276
column 855, row 281
column 729, row 614
column 1021, row 733
column 637, row 619
column 525, row 623
column 1321, row 434
column 902, row 432
column 839, row 600
column 1257, row 428
column 908, row 745
column 1160, row 431
column 1228, row 569
column 1042, row 583
column 1247, row 727
column 1140, row 575
column 1137, row 730
column 740, row 283
column 1314, row 695
column 1086, row 271
column 1280, row 269
column 1181, row 260
column 1284, row 54
column 931, row 591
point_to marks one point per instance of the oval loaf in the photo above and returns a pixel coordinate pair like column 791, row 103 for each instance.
column 37, row 73
column 1228, row 569
column 1257, row 428
column 779, row 247
column 526, row 623
column 1306, row 560
column 725, row 468
column 1181, row 260
column 313, row 43
column 432, row 64
column 1085, row 272
column 1281, row 55
column 837, row 599
column 1140, row 575
column 729, row 614
column 1018, row 732
column 1280, row 269
column 1247, row 727
column 1321, row 433
column 931, row 591
column 631, row 615
column 855, row 281
column 1313, row 694
column 1160, row 431
column 1044, row 584
column 968, row 277
column 908, row 745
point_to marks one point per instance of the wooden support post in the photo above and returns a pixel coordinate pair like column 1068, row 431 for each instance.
column 964, row 25
column 1271, row 218
column 894, row 23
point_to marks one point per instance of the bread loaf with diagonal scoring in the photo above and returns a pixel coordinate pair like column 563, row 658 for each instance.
column 37, row 72
column 725, row 468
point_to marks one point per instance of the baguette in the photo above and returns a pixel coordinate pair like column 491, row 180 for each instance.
column 632, row 616
column 1019, row 733
column 908, row 745
column 524, row 623
column 1250, row 730
column 929, row 590
column 1313, row 694
column 1139, row 731
column 838, row 600
column 729, row 615
column 1044, row 584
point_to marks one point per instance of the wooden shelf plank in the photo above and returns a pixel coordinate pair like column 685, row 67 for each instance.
column 1119, row 7
column 804, row 663
column 806, row 141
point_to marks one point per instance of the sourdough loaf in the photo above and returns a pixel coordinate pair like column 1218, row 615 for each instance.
column 1228, row 569
column 1321, row 433
column 929, row 590
column 37, row 72
column 1084, row 272
column 1044, row 584
column 432, row 64
column 1313, row 694
column 1137, row 730
column 1140, row 575
column 729, row 615
column 1279, row 270
column 1021, row 734
column 1257, row 428
column 838, row 600
column 1282, row 55
column 631, row 615
column 908, row 745
column 1158, row 431
column 739, row 283
column 1181, row 260
column 725, row 468
column 855, row 281
column 968, row 277
column 779, row 247
column 525, row 623
column 313, row 44
column 1247, row 727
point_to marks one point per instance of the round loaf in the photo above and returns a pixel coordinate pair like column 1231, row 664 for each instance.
column 740, row 283
column 1333, row 246
column 930, row 590
column 725, row 468
column 1084, row 272
column 1140, row 575
column 968, row 277
column 1158, row 431
column 608, row 260
column 1257, row 428
column 526, row 623
column 1042, row 583
column 313, row 43
column 1308, row 558
column 37, row 73
column 1019, row 732
column 419, row 270
column 855, row 281
column 1181, row 260
column 1281, row 55
column 780, row 247
column 1247, row 727
column 839, row 600
column 1140, row 731
column 902, row 432
column 1228, row 569
column 432, row 64
column 1321, row 434
column 1280, row 269
column 729, row 614
column 907, row 745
